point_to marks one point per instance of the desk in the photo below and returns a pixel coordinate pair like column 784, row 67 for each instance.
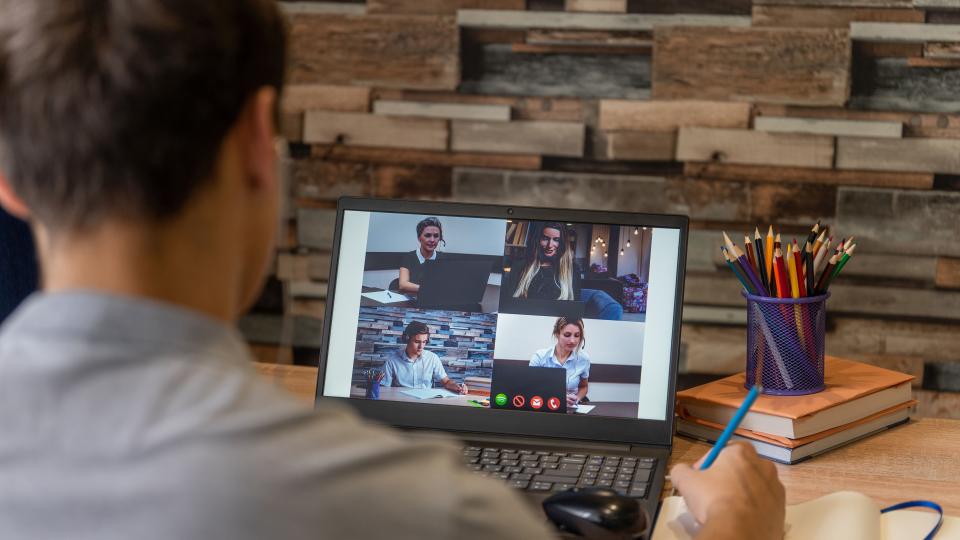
column 918, row 460
column 367, row 302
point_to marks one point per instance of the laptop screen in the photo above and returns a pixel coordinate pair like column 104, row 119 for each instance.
column 548, row 317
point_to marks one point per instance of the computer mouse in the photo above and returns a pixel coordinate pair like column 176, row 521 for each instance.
column 596, row 513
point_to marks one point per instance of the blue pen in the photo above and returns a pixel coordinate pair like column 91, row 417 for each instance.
column 728, row 431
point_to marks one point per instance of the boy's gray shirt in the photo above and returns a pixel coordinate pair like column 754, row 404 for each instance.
column 124, row 418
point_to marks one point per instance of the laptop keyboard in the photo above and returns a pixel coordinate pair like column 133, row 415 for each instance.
column 546, row 471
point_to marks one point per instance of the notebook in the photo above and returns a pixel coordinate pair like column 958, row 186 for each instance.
column 844, row 514
column 791, row 451
column 854, row 391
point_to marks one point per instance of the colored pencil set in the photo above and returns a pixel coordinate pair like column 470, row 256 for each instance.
column 765, row 267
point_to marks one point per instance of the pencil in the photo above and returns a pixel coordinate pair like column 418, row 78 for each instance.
column 811, row 238
column 792, row 270
column 810, row 270
column 761, row 262
column 748, row 248
column 744, row 263
column 820, row 257
column 783, row 284
column 801, row 270
column 843, row 260
column 825, row 276
column 731, row 427
column 768, row 253
column 736, row 272
column 818, row 243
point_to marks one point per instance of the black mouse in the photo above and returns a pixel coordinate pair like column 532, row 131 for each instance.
column 596, row 513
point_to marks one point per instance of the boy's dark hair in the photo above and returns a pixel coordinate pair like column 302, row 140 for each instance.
column 118, row 108
column 415, row 328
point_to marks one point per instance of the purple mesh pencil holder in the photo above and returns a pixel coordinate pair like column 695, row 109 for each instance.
column 785, row 341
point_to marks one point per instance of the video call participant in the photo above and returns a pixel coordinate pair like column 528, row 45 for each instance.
column 547, row 271
column 568, row 354
column 415, row 367
column 430, row 236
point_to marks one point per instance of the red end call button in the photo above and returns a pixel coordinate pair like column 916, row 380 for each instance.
column 553, row 403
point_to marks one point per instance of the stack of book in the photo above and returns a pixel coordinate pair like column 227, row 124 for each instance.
column 478, row 386
column 859, row 401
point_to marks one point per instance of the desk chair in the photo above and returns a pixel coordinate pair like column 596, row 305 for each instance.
column 18, row 263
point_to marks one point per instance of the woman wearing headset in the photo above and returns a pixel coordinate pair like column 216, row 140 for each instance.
column 430, row 236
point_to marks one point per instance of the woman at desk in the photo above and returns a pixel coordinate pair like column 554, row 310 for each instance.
column 568, row 354
column 548, row 271
column 430, row 236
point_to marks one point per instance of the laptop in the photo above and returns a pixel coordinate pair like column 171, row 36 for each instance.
column 621, row 435
column 525, row 388
column 453, row 285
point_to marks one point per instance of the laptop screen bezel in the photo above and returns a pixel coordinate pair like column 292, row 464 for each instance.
column 504, row 422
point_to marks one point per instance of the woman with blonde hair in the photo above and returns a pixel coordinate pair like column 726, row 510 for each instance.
column 547, row 271
column 567, row 353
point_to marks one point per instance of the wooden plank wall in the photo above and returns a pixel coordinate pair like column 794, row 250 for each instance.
column 734, row 112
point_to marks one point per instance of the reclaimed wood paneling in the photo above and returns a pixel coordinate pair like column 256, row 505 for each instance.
column 787, row 65
column 413, row 181
column 937, row 4
column 671, row 115
column 426, row 157
column 838, row 3
column 942, row 50
column 948, row 273
column 437, row 7
column 304, row 97
column 926, row 155
column 297, row 267
column 315, row 228
column 599, row 6
column 901, row 222
column 830, row 17
column 322, row 8
column 754, row 147
column 641, row 145
column 462, row 111
column 755, row 173
column 532, row 48
column 939, row 126
column 546, row 138
column 550, row 109
column 904, row 32
column 415, row 51
column 948, row 63
column 720, row 7
column 876, row 49
column 892, row 84
column 354, row 129
column 498, row 70
column 314, row 178
column 591, row 38
column 483, row 18
column 819, row 126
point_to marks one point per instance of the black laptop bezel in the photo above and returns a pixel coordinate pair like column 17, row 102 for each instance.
column 504, row 422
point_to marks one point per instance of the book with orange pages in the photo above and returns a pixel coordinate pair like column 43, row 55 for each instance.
column 793, row 450
column 853, row 391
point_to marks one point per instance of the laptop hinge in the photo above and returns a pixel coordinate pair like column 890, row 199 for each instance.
column 535, row 441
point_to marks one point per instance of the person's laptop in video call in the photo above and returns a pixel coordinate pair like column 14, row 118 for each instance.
column 555, row 357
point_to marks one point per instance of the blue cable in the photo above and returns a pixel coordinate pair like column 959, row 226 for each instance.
column 920, row 504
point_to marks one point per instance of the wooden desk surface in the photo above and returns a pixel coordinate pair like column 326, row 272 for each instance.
column 918, row 460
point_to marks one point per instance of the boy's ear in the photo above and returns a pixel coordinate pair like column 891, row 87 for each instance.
column 10, row 201
column 261, row 152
